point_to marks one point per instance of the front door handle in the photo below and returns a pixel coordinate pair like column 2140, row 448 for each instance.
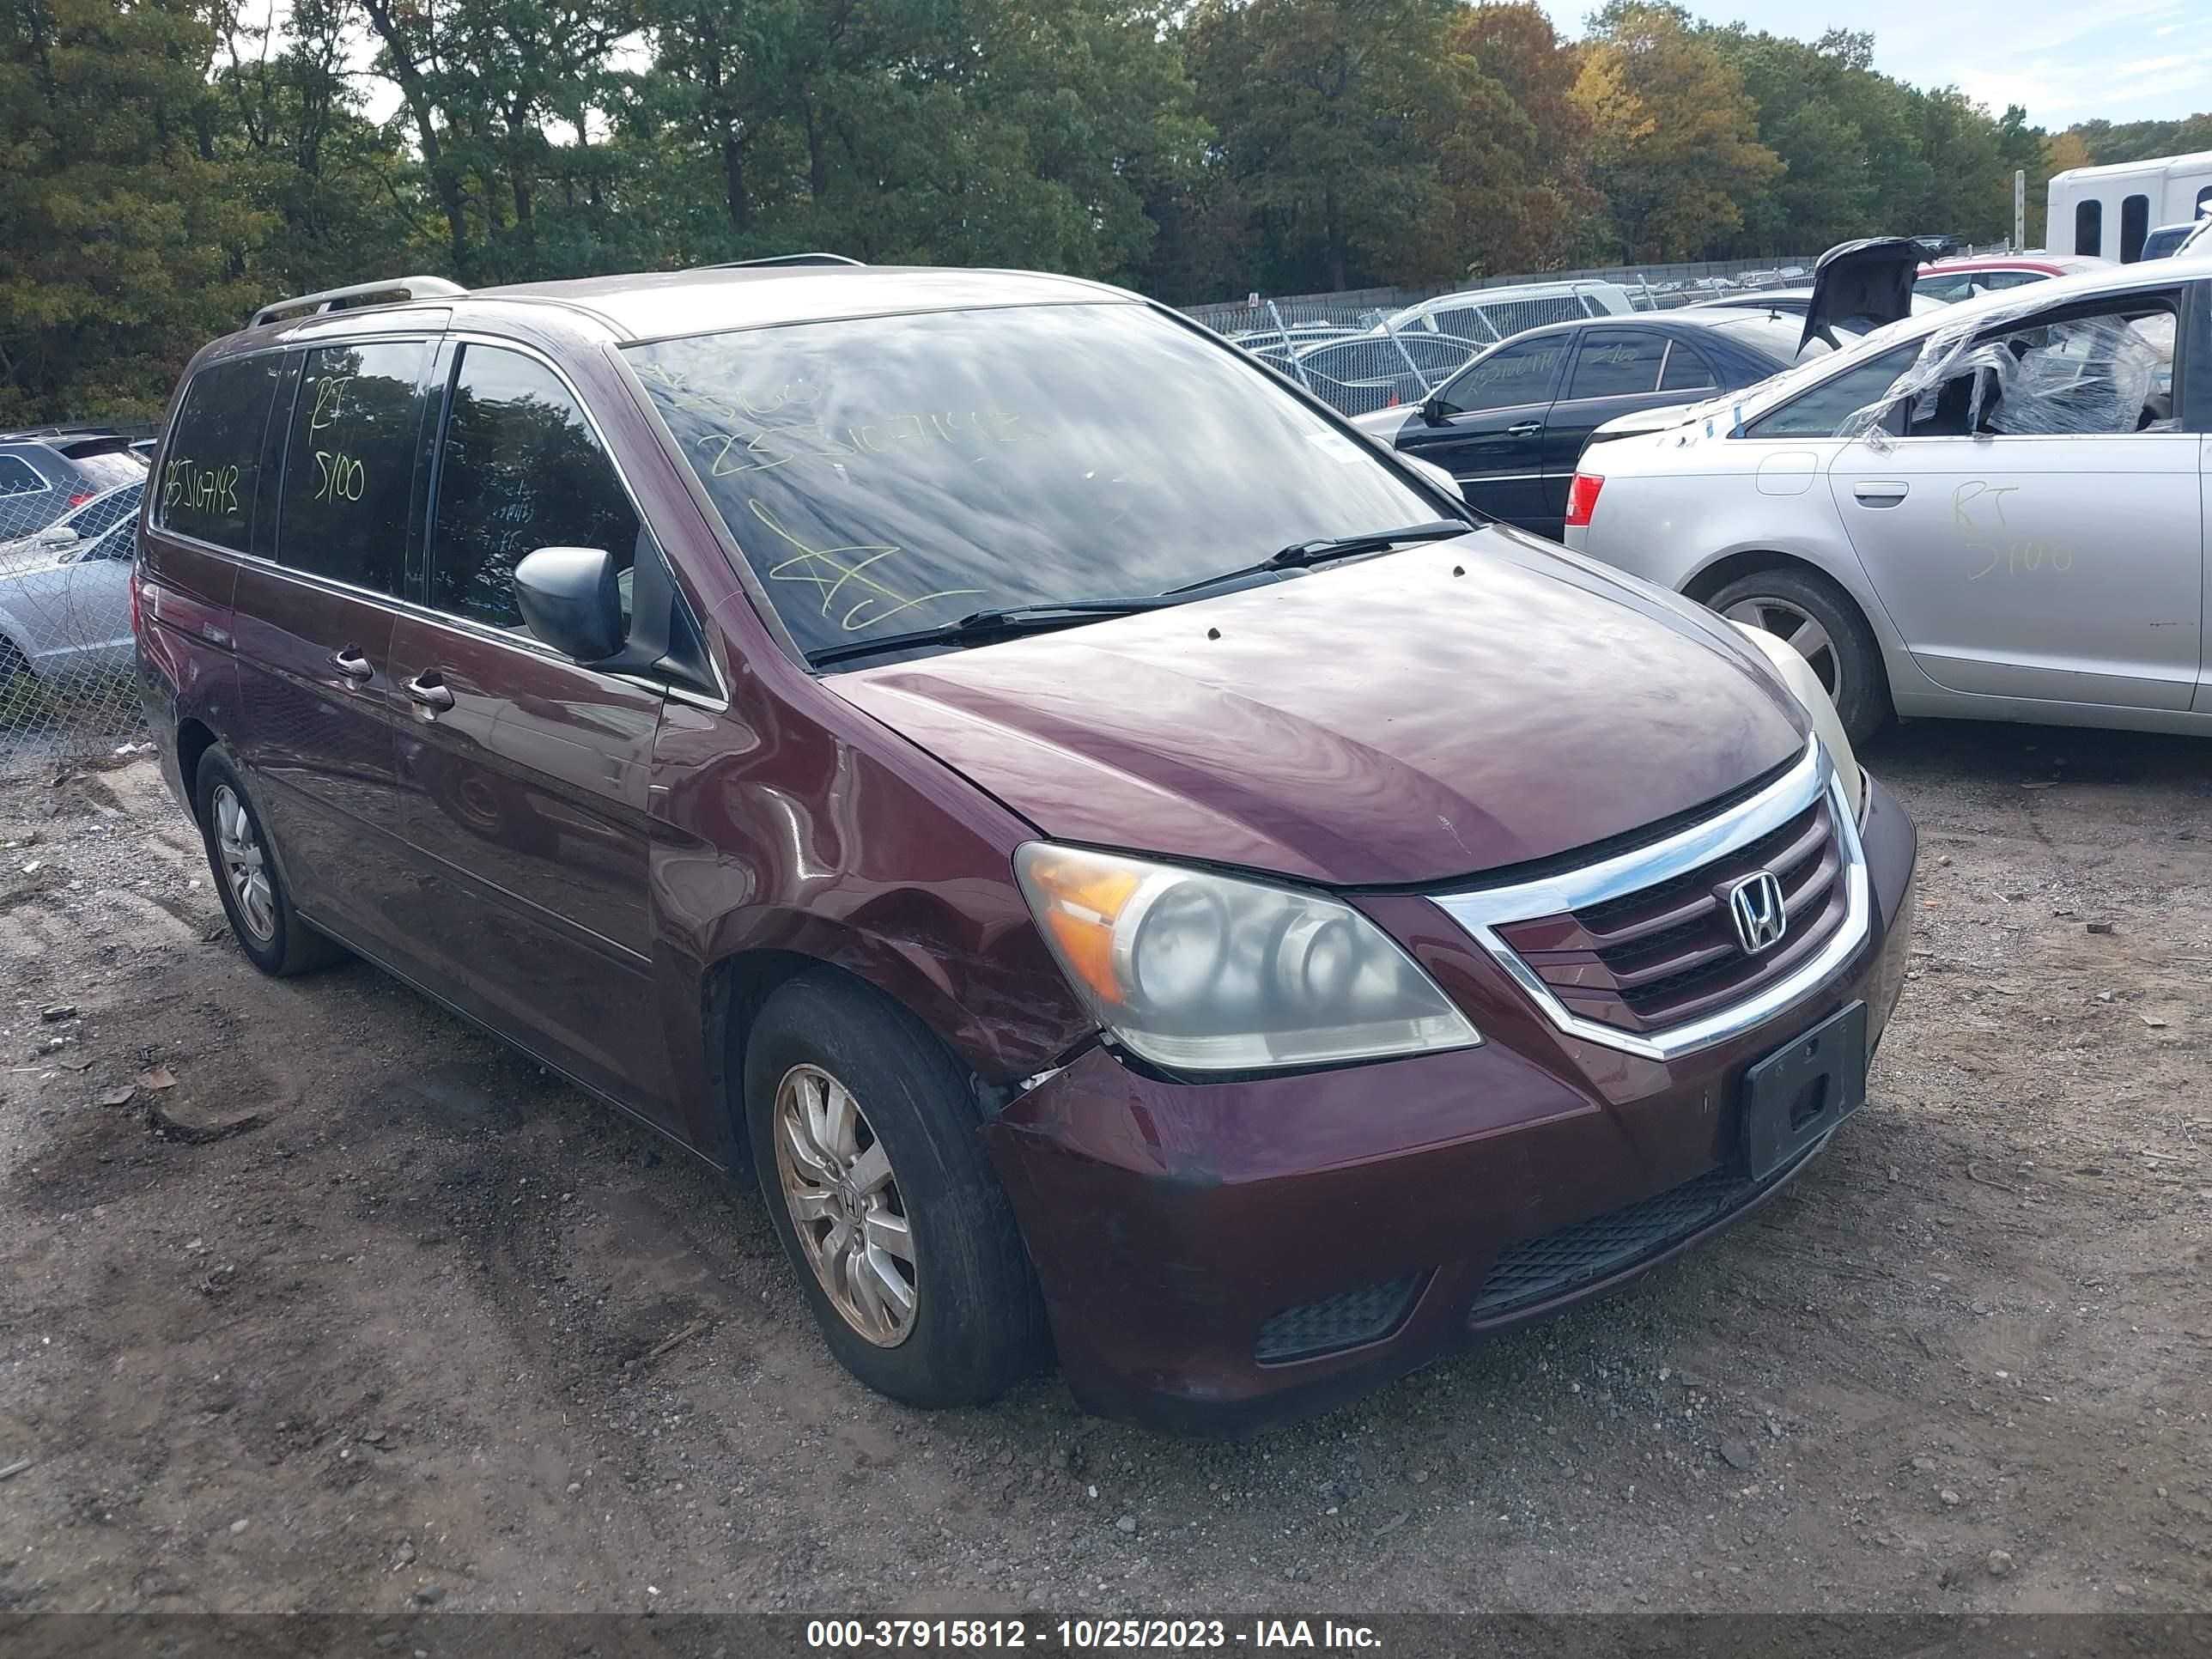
column 1879, row 492
column 351, row 663
column 1524, row 428
column 430, row 691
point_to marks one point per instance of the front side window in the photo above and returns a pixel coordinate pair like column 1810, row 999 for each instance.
column 1818, row 413
column 1519, row 372
column 1617, row 363
column 211, row 470
column 2102, row 371
column 893, row 474
column 350, row 463
column 521, row 469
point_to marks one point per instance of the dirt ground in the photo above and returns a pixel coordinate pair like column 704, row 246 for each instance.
column 439, row 1331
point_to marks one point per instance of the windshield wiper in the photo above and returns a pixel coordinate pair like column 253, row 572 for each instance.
column 1337, row 547
column 979, row 626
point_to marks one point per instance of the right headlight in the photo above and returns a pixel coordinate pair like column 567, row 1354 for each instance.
column 1201, row 972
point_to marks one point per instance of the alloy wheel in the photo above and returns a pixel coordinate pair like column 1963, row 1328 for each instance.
column 1797, row 629
column 245, row 865
column 843, row 1201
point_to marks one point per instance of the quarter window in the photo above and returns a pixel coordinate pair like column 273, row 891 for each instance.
column 350, row 463
column 211, row 467
column 521, row 469
column 1617, row 363
column 1687, row 370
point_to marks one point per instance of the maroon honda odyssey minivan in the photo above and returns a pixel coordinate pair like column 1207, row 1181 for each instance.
column 1137, row 874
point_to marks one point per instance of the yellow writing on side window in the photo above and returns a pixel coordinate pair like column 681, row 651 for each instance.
column 188, row 486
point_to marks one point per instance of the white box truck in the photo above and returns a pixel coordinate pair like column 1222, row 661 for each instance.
column 2108, row 211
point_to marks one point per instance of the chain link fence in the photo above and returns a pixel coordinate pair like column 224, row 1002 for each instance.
column 69, row 514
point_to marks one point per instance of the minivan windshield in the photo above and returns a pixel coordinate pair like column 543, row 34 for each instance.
column 887, row 475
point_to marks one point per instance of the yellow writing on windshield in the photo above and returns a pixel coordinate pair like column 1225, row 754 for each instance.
column 843, row 579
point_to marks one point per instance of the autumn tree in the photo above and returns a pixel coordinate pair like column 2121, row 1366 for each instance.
column 1531, row 206
column 1675, row 135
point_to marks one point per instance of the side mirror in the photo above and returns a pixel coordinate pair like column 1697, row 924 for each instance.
column 570, row 599
column 1432, row 408
column 57, row 535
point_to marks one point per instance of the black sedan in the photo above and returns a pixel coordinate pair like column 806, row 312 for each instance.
column 1511, row 424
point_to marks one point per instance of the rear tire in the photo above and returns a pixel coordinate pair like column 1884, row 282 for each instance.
column 1807, row 610
column 865, row 1140
column 247, row 878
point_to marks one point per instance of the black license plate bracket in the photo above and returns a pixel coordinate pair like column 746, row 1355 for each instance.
column 1803, row 1090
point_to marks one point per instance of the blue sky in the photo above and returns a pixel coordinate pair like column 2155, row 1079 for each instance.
column 2066, row 60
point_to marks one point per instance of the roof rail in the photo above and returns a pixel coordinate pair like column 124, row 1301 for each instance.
column 338, row 299
column 783, row 259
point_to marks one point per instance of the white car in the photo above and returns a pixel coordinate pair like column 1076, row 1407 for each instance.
column 1993, row 513
column 66, row 591
column 1487, row 315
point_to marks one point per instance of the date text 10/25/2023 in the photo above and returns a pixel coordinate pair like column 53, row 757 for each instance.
column 1085, row 1635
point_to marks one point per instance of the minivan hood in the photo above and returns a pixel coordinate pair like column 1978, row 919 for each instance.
column 1389, row 721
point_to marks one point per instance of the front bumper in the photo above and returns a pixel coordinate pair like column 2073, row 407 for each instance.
column 1197, row 1242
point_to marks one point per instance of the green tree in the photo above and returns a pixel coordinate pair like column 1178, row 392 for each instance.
column 1324, row 108
column 129, row 241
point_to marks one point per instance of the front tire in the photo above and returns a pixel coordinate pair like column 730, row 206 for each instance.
column 1820, row 621
column 865, row 1142
column 247, row 878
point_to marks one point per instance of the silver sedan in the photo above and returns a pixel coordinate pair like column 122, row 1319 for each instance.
column 1995, row 513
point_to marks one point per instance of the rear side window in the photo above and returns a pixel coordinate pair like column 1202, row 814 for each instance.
column 1617, row 363
column 110, row 468
column 521, row 469
column 210, row 471
column 1818, row 412
column 18, row 477
column 350, row 463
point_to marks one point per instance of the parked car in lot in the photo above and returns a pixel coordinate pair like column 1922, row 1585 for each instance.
column 64, row 591
column 1949, row 280
column 1484, row 315
column 1511, row 426
column 2166, row 242
column 1356, row 375
column 1995, row 513
column 46, row 472
column 1786, row 301
column 1115, row 855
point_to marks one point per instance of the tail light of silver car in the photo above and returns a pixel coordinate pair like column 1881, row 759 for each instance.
column 1582, row 498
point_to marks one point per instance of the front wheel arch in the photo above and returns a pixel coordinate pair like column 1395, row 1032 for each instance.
column 1801, row 581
